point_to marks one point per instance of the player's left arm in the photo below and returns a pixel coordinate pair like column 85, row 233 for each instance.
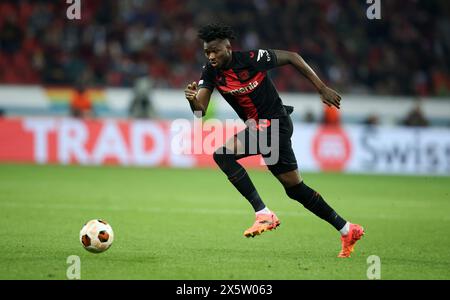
column 328, row 95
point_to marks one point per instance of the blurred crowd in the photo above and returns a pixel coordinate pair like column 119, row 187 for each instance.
column 407, row 52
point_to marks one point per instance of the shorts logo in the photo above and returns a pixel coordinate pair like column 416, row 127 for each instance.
column 261, row 126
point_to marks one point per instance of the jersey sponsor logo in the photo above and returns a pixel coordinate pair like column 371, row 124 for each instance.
column 261, row 54
column 243, row 90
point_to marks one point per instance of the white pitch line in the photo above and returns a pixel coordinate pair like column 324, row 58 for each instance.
column 149, row 209
column 196, row 210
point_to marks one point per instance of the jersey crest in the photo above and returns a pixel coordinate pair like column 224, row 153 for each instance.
column 220, row 79
column 243, row 75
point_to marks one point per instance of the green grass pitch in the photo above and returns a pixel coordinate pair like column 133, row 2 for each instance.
column 188, row 224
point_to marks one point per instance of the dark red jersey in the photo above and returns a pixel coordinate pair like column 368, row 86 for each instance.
column 246, row 86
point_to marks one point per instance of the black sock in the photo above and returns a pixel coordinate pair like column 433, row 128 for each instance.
column 239, row 178
column 244, row 185
column 314, row 202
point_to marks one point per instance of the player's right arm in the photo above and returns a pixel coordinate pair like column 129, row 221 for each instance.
column 329, row 96
column 198, row 98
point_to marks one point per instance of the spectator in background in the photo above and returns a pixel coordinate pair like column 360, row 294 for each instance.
column 371, row 120
column 118, row 40
column 416, row 117
column 309, row 117
column 81, row 104
column 11, row 35
column 141, row 106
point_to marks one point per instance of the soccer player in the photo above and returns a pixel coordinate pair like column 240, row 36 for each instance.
column 241, row 78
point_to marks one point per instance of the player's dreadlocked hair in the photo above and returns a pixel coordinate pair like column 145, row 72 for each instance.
column 212, row 32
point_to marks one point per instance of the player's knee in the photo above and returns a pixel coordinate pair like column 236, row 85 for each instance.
column 300, row 192
column 223, row 159
column 292, row 192
column 218, row 157
column 289, row 181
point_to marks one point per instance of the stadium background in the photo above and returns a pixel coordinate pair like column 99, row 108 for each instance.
column 383, row 159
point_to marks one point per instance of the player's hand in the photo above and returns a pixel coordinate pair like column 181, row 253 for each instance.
column 330, row 97
column 190, row 92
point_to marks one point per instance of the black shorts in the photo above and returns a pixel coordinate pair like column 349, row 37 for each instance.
column 272, row 141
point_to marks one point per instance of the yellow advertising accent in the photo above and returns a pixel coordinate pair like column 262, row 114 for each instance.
column 63, row 95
